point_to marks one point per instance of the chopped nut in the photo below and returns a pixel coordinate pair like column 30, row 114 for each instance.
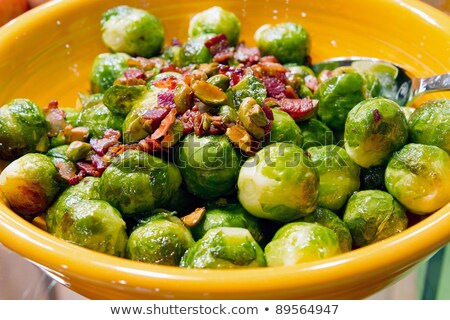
column 194, row 218
column 209, row 94
column 239, row 136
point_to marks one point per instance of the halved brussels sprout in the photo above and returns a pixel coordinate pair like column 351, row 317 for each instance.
column 209, row 165
column 339, row 176
column 337, row 96
column 218, row 21
column 287, row 41
column 133, row 31
column 120, row 99
column 93, row 224
column 227, row 215
column 418, row 176
column 374, row 130
column 23, row 129
column 222, row 248
column 284, row 129
column 136, row 183
column 160, row 239
column 107, row 67
column 315, row 134
column 329, row 219
column 279, row 183
column 430, row 124
column 299, row 242
column 374, row 215
column 29, row 184
column 194, row 50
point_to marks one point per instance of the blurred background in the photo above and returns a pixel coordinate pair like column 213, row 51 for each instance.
column 19, row 279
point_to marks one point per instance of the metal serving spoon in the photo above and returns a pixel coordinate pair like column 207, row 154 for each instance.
column 408, row 87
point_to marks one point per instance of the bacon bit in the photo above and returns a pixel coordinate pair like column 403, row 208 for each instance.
column 224, row 55
column 194, row 218
column 247, row 55
column 275, row 87
column 290, row 93
column 167, row 83
column 110, row 138
column 311, row 83
column 55, row 117
column 165, row 126
column 171, row 68
column 166, row 99
column 88, row 169
column 152, row 118
column 133, row 73
column 99, row 163
column 299, row 109
column 217, row 44
column 268, row 59
column 67, row 171
column 149, row 145
column 234, row 74
column 175, row 42
column 376, row 115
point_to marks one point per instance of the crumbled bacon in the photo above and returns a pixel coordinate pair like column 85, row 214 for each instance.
column 98, row 163
column 167, row 83
column 165, row 126
column 275, row 87
column 68, row 172
column 191, row 120
column 155, row 116
column 290, row 93
column 171, row 68
column 175, row 42
column 88, row 169
column 217, row 44
column 247, row 55
column 110, row 138
column 55, row 117
column 299, row 109
column 133, row 73
column 234, row 74
column 311, row 83
column 149, row 145
column 166, row 99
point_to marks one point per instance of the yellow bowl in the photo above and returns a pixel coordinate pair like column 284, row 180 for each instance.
column 47, row 53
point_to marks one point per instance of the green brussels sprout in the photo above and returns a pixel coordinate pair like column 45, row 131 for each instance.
column 418, row 176
column 23, row 129
column 374, row 130
column 331, row 220
column 98, row 118
column 227, row 215
column 133, row 126
column 337, row 96
column 86, row 189
column 430, row 124
column 408, row 111
column 222, row 248
column 58, row 152
column 373, row 215
column 315, row 133
column 107, row 67
column 299, row 242
column 136, row 183
column 284, row 129
column 71, row 115
column 303, row 71
column 279, row 183
column 209, row 165
column 249, row 86
column 133, row 31
column 120, row 99
column 218, row 21
column 29, row 184
column 373, row 178
column 160, row 239
column 172, row 54
column 194, row 50
column 338, row 176
column 287, row 41
column 93, row 224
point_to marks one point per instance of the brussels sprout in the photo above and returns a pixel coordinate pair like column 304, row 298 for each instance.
column 374, row 130
column 66, row 168
column 93, row 224
column 303, row 71
column 279, row 183
column 284, row 129
column 227, row 215
column 194, row 50
column 78, row 150
column 418, row 176
column 97, row 117
column 23, row 129
column 315, row 133
column 107, row 67
column 216, row 20
column 374, row 215
column 59, row 152
column 86, row 189
column 337, row 96
column 133, row 125
column 209, row 165
column 299, row 242
column 136, row 183
column 71, row 115
column 160, row 239
column 172, row 54
column 373, row 178
column 287, row 41
column 430, row 124
column 249, row 86
column 133, row 31
column 329, row 219
column 408, row 111
column 339, row 176
column 120, row 99
column 225, row 247
column 29, row 184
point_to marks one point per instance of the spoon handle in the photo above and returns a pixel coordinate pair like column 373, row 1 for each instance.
column 420, row 86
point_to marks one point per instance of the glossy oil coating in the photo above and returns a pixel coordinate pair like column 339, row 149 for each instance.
column 47, row 53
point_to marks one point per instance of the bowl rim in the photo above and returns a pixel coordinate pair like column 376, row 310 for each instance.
column 50, row 252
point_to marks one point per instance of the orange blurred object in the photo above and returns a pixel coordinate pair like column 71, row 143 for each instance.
column 9, row 9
